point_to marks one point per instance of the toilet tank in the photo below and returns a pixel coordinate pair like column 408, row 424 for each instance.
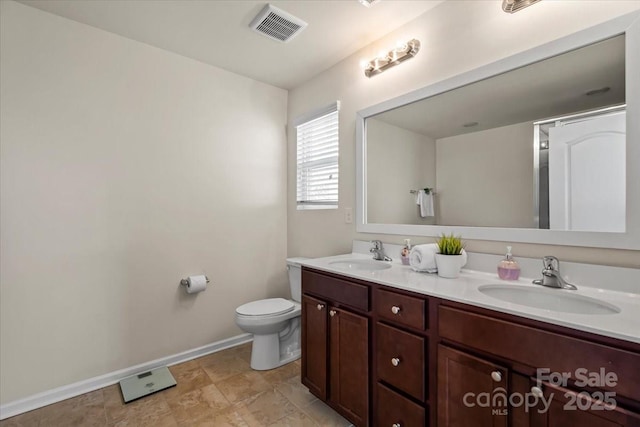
column 295, row 278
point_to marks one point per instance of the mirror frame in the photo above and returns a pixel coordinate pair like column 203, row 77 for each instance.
column 629, row 25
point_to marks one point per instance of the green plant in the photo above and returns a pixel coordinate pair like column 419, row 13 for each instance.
column 450, row 245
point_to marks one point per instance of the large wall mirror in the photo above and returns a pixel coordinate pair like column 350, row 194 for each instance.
column 541, row 147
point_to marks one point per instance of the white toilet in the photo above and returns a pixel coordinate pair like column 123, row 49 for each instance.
column 275, row 324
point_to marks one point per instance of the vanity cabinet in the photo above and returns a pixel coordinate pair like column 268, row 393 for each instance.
column 383, row 356
column 545, row 363
column 335, row 344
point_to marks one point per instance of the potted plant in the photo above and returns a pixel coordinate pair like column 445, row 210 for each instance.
column 450, row 257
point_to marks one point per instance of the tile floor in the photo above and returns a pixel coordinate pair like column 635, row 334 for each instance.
column 215, row 390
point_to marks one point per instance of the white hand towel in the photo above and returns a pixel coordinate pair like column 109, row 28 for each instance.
column 425, row 201
column 422, row 258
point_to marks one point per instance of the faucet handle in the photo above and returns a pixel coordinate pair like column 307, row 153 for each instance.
column 551, row 263
column 377, row 244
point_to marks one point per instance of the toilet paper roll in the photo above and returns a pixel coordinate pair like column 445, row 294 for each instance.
column 196, row 284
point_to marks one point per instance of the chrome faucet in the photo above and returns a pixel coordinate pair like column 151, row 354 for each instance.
column 378, row 251
column 551, row 275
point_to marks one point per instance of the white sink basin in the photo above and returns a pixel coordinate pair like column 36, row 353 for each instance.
column 360, row 264
column 549, row 299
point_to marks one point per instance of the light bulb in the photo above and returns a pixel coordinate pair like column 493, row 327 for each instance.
column 364, row 64
column 382, row 55
column 401, row 46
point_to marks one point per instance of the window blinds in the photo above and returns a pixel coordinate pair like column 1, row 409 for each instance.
column 317, row 159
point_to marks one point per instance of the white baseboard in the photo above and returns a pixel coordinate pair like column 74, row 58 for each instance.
column 65, row 392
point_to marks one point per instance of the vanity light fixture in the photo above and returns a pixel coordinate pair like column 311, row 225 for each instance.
column 386, row 60
column 512, row 6
column 368, row 3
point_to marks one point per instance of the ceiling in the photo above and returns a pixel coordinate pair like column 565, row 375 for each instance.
column 550, row 88
column 217, row 32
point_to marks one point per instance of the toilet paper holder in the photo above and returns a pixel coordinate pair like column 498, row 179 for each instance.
column 185, row 282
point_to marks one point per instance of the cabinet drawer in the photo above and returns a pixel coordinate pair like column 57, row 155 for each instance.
column 540, row 349
column 401, row 360
column 393, row 409
column 334, row 289
column 401, row 309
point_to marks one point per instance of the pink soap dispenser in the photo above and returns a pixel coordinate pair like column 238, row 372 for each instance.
column 404, row 254
column 508, row 268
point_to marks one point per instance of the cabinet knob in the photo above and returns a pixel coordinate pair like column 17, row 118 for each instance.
column 395, row 361
column 537, row 392
column 395, row 309
column 496, row 376
column 320, row 306
column 396, row 425
column 332, row 313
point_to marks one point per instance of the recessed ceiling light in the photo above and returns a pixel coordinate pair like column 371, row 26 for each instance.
column 470, row 124
column 368, row 3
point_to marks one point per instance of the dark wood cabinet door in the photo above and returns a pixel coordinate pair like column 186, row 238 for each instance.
column 314, row 345
column 472, row 392
column 561, row 407
column 349, row 364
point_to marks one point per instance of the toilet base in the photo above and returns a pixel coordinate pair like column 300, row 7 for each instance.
column 265, row 353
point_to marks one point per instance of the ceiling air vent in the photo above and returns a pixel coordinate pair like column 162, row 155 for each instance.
column 277, row 24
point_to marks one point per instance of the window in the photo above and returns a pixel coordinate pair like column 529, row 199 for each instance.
column 317, row 159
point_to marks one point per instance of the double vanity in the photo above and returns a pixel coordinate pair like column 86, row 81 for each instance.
column 387, row 346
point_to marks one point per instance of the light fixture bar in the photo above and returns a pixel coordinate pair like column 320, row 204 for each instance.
column 512, row 6
column 383, row 62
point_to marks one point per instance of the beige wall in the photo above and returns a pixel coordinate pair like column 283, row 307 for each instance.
column 398, row 160
column 485, row 178
column 456, row 36
column 123, row 169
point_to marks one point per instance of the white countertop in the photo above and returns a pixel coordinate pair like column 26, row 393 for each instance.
column 624, row 325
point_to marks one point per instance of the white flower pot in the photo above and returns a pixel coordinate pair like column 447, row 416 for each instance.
column 449, row 265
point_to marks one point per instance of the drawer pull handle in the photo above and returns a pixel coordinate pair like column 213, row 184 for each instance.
column 320, row 307
column 395, row 361
column 537, row 392
column 332, row 313
column 496, row 376
column 396, row 425
column 395, row 309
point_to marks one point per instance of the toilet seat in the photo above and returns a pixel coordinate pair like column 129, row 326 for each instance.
column 266, row 307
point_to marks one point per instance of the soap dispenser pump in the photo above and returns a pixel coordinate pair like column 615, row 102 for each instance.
column 508, row 268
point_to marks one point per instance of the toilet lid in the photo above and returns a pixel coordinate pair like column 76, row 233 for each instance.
column 264, row 307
